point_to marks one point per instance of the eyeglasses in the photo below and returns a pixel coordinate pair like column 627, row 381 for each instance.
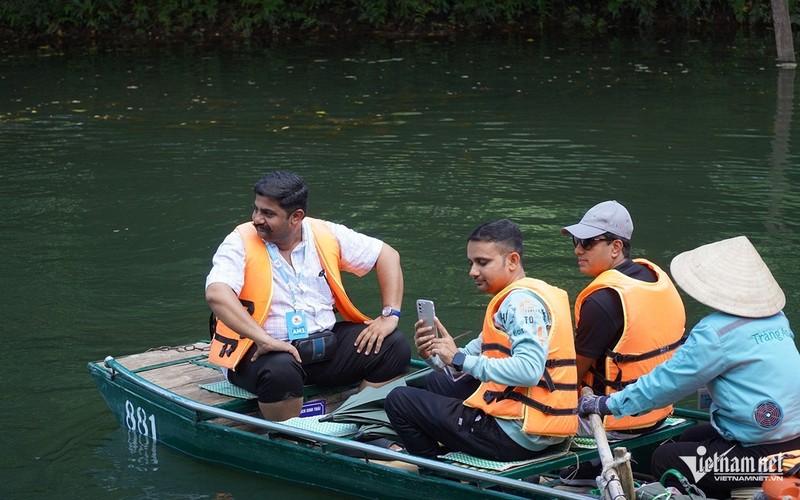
column 587, row 243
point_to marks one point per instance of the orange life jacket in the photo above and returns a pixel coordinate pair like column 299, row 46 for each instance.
column 786, row 483
column 653, row 329
column 549, row 408
column 227, row 347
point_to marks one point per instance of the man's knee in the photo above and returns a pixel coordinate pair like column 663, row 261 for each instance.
column 397, row 344
column 397, row 402
column 279, row 378
column 282, row 410
column 392, row 361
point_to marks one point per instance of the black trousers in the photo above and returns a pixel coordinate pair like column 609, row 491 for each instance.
column 277, row 376
column 670, row 456
column 434, row 421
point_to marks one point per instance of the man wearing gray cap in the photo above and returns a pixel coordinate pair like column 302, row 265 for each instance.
column 628, row 320
column 744, row 353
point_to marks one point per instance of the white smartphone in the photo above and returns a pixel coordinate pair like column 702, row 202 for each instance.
column 426, row 311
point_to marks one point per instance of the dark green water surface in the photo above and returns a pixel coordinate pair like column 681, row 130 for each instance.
column 121, row 172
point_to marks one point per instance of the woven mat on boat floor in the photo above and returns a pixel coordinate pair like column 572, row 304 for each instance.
column 463, row 459
column 590, row 443
column 338, row 429
column 306, row 423
column 227, row 389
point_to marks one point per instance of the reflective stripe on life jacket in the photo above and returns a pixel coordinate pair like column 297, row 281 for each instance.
column 653, row 329
column 549, row 408
column 227, row 347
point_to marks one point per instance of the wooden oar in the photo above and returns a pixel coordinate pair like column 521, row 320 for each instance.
column 610, row 484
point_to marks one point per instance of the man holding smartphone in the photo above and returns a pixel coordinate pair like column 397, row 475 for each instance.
column 518, row 392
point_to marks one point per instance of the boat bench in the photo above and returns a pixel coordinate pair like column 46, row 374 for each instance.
column 311, row 394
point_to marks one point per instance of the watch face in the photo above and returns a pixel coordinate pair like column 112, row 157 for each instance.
column 388, row 311
column 458, row 360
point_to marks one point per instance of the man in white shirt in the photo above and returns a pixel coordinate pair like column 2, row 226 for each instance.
column 275, row 287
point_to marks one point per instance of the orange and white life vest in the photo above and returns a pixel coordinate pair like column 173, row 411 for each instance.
column 549, row 408
column 227, row 346
column 654, row 325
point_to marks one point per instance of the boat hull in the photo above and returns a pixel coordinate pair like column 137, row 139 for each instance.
column 183, row 430
column 224, row 434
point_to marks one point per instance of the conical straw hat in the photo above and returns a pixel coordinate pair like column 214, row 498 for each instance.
column 729, row 276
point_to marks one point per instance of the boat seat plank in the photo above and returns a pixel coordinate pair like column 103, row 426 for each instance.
column 135, row 362
column 184, row 379
column 173, row 377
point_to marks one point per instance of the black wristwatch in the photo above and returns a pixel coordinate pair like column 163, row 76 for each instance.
column 458, row 361
column 389, row 311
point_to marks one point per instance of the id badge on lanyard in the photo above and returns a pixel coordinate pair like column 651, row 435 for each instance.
column 296, row 325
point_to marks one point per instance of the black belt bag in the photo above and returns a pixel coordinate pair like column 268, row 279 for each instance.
column 317, row 347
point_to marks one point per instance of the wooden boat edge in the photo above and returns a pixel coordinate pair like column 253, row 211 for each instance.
column 116, row 381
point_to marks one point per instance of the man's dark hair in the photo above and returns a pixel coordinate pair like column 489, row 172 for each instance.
column 501, row 231
column 626, row 244
column 287, row 188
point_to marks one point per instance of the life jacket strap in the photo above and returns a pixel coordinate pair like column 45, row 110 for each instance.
column 618, row 358
column 492, row 396
column 212, row 320
column 553, row 386
column 553, row 363
column 509, row 393
column 617, row 385
column 228, row 345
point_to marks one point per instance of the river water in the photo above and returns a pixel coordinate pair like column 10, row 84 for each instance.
column 123, row 170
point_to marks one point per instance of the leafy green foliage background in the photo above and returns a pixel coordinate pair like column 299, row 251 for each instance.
column 244, row 19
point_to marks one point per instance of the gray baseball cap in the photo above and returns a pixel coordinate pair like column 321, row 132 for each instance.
column 605, row 217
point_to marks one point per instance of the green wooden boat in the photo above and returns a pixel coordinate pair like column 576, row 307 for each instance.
column 173, row 397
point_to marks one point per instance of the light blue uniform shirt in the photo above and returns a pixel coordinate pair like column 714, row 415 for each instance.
column 524, row 317
column 751, row 368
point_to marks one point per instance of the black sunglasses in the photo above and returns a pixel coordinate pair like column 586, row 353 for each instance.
column 587, row 243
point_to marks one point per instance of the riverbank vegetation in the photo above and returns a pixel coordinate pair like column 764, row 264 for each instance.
column 149, row 21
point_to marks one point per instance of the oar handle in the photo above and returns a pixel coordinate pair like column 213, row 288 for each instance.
column 613, row 486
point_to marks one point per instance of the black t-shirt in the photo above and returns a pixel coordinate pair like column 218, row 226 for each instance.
column 602, row 320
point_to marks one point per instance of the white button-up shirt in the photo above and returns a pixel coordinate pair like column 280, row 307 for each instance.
column 359, row 253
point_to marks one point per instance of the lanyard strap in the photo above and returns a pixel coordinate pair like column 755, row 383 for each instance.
column 278, row 265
